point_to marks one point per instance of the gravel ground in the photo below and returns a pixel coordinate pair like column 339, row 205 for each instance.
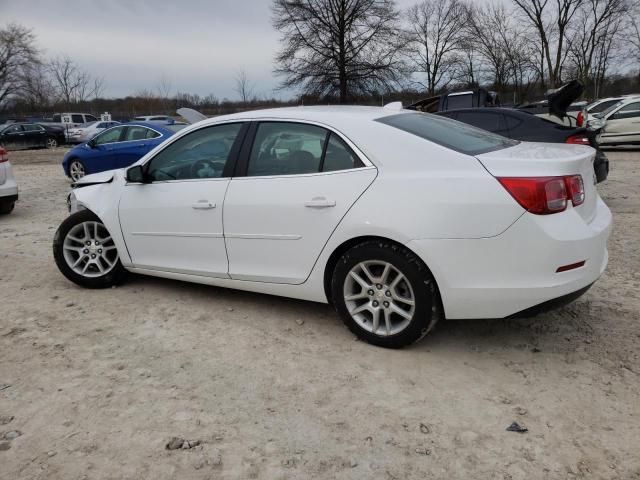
column 95, row 384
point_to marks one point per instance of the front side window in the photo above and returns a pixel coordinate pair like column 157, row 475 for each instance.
column 13, row 129
column 200, row 154
column 449, row 133
column 285, row 148
column 90, row 118
column 33, row 128
column 110, row 136
column 139, row 133
column 77, row 119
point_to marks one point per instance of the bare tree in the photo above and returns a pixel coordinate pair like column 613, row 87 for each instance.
column 551, row 21
column 71, row 83
column 244, row 87
column 18, row 54
column 344, row 47
column 163, row 88
column 36, row 90
column 434, row 35
column 486, row 26
column 596, row 27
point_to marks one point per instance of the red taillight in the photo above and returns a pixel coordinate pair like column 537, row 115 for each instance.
column 575, row 189
column 545, row 195
column 578, row 140
column 580, row 118
column 3, row 155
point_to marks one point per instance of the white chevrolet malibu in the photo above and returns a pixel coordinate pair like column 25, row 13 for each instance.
column 397, row 218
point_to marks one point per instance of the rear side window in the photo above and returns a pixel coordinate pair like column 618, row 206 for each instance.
column 491, row 121
column 77, row 119
column 449, row 133
column 33, row 128
column 139, row 133
column 286, row 148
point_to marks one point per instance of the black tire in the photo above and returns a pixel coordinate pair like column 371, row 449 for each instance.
column 6, row 207
column 114, row 277
column 428, row 309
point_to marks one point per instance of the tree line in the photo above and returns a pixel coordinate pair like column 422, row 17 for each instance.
column 369, row 51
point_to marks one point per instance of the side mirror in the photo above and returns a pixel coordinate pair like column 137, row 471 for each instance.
column 136, row 174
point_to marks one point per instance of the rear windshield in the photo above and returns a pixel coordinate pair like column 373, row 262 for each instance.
column 449, row 133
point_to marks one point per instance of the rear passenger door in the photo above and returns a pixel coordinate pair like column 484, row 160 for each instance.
column 295, row 183
column 35, row 136
column 135, row 144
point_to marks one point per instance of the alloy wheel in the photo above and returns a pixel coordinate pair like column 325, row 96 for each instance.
column 76, row 170
column 52, row 143
column 379, row 297
column 89, row 249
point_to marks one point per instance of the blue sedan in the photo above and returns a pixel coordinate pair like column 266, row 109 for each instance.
column 116, row 147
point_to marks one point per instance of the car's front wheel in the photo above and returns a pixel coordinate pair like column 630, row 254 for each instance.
column 52, row 142
column 86, row 253
column 385, row 294
column 76, row 170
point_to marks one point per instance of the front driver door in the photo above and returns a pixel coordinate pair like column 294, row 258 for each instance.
column 300, row 181
column 104, row 150
column 173, row 223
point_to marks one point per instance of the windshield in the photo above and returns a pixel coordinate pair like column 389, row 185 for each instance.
column 449, row 133
column 608, row 110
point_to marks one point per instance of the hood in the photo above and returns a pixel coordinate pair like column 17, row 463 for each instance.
column 95, row 178
column 190, row 115
column 560, row 98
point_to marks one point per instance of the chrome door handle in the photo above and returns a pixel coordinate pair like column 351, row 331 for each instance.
column 320, row 202
column 203, row 205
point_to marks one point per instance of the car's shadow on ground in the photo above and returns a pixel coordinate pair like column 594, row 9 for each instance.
column 560, row 330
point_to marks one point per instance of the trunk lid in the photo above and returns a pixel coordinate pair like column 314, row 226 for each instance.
column 547, row 160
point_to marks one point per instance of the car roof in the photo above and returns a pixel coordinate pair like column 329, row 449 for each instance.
column 152, row 125
column 330, row 115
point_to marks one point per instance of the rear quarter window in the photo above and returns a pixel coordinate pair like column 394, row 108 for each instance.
column 448, row 133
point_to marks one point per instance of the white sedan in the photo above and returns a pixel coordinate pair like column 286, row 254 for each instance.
column 397, row 218
column 8, row 185
column 87, row 131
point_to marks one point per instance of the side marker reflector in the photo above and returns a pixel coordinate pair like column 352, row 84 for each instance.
column 571, row 266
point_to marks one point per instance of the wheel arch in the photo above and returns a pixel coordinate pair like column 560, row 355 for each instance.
column 352, row 242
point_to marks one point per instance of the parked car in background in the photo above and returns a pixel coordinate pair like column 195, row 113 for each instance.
column 152, row 118
column 619, row 124
column 116, row 147
column 397, row 218
column 87, row 131
column 77, row 119
column 8, row 185
column 21, row 136
column 512, row 123
column 56, row 134
column 600, row 106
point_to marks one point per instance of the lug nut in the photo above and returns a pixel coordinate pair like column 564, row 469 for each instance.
column 99, row 250
column 88, row 242
column 386, row 304
column 97, row 242
column 370, row 292
column 388, row 293
column 375, row 303
column 93, row 255
column 85, row 251
column 379, row 287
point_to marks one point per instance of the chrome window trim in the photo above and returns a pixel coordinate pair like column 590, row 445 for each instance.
column 127, row 141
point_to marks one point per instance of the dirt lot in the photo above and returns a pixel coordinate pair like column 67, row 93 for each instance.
column 97, row 382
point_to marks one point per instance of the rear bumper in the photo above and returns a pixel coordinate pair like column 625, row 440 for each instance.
column 501, row 276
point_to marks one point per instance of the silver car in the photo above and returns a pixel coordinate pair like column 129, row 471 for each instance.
column 8, row 185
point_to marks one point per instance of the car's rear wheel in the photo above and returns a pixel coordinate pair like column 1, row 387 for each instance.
column 76, row 170
column 86, row 253
column 6, row 207
column 52, row 142
column 385, row 294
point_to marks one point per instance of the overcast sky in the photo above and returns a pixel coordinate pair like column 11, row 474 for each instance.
column 198, row 45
